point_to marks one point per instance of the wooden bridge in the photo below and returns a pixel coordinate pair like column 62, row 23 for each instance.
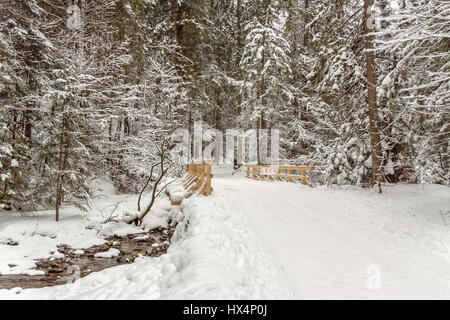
column 279, row 173
column 198, row 179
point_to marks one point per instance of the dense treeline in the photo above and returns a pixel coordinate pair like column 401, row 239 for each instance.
column 83, row 92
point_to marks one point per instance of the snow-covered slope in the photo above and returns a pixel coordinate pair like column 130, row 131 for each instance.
column 352, row 243
column 215, row 255
column 259, row 240
column 35, row 235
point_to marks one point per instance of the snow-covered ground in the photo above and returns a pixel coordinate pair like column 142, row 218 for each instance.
column 350, row 243
column 215, row 254
column 35, row 235
column 259, row 240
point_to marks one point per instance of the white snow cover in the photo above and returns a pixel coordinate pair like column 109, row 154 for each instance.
column 215, row 254
column 337, row 243
column 37, row 234
column 258, row 240
column 176, row 192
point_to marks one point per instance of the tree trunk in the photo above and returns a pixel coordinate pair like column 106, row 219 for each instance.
column 126, row 126
column 305, row 22
column 111, row 130
column 59, row 176
column 239, row 32
column 145, row 186
column 28, row 126
column 372, row 93
column 191, row 134
column 149, row 207
column 261, row 122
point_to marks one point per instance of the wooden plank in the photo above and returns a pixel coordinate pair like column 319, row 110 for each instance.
column 208, row 180
column 274, row 173
column 292, row 176
column 254, row 173
column 190, row 182
column 307, row 168
column 297, row 168
column 304, row 180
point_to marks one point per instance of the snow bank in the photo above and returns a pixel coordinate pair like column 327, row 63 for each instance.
column 27, row 237
column 37, row 237
column 160, row 215
column 220, row 256
column 214, row 255
column 103, row 186
column 176, row 192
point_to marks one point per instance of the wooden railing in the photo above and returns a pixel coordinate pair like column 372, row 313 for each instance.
column 196, row 181
column 279, row 173
column 199, row 178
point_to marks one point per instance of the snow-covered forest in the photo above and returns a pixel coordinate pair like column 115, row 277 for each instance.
column 89, row 90
column 80, row 102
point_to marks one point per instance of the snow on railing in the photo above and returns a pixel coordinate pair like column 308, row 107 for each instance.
column 279, row 173
column 196, row 181
column 202, row 177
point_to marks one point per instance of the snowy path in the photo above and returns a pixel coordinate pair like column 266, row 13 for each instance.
column 331, row 244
